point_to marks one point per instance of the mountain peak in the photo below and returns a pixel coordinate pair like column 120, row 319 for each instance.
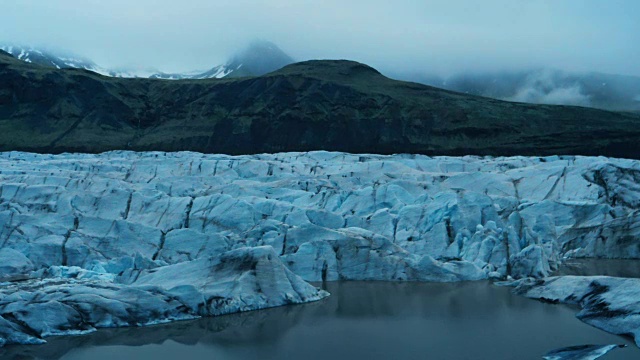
column 50, row 58
column 259, row 58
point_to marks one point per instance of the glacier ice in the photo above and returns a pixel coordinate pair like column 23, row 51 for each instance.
column 581, row 352
column 608, row 303
column 325, row 214
column 78, row 301
column 132, row 220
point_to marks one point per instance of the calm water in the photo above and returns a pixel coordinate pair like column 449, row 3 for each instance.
column 361, row 320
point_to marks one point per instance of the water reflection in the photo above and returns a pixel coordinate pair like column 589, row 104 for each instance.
column 373, row 320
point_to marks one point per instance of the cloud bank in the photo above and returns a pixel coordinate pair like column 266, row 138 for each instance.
column 429, row 36
column 544, row 87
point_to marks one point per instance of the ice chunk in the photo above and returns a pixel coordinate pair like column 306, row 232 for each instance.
column 14, row 265
column 581, row 352
column 239, row 280
column 608, row 303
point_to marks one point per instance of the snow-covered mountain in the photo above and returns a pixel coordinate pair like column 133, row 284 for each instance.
column 129, row 72
column 538, row 86
column 43, row 57
column 217, row 72
column 66, row 60
column 259, row 58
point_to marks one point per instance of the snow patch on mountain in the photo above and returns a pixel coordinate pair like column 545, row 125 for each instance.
column 257, row 59
column 217, row 72
column 50, row 58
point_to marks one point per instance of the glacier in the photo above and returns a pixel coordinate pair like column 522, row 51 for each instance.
column 163, row 228
column 581, row 352
column 63, row 301
column 608, row 303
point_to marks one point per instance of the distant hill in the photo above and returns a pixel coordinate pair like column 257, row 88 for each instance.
column 330, row 105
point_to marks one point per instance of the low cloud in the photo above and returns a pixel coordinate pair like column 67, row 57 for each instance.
column 427, row 36
column 565, row 96
column 548, row 87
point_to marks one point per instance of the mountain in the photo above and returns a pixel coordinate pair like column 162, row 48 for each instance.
column 259, row 58
column 329, row 105
column 547, row 86
column 217, row 72
column 540, row 86
column 65, row 60
column 54, row 59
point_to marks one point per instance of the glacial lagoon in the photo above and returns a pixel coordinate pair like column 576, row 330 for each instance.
column 93, row 231
column 360, row 320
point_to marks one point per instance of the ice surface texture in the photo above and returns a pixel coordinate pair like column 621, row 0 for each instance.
column 104, row 227
column 608, row 303
column 583, row 352
column 78, row 301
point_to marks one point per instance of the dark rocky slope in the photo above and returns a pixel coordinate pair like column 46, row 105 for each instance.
column 330, row 105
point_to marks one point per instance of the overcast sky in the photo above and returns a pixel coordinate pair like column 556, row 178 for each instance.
column 423, row 36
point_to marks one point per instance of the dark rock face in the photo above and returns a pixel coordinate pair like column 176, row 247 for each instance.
column 328, row 105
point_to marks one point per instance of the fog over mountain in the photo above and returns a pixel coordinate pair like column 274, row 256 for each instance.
column 545, row 86
column 573, row 52
column 422, row 36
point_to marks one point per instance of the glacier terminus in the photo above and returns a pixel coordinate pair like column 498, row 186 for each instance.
column 130, row 239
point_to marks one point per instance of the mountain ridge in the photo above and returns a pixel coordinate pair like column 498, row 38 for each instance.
column 258, row 58
column 536, row 86
column 314, row 105
column 43, row 57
